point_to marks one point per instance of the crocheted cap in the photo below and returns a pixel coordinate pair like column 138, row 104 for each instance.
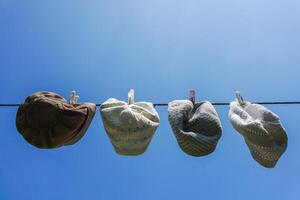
column 129, row 127
column 262, row 131
column 197, row 127
column 47, row 120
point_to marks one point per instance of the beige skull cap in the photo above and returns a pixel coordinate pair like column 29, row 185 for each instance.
column 46, row 120
column 130, row 126
column 262, row 130
column 197, row 127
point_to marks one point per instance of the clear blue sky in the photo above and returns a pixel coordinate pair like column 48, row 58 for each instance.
column 161, row 48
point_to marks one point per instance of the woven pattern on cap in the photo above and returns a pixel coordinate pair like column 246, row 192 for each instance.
column 262, row 131
column 47, row 120
column 197, row 128
column 129, row 127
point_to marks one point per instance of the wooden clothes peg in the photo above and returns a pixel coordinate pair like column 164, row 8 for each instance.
column 192, row 97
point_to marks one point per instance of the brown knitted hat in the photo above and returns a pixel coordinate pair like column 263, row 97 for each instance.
column 46, row 120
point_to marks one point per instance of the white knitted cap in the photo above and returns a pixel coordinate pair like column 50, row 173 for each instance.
column 261, row 129
column 197, row 127
column 130, row 127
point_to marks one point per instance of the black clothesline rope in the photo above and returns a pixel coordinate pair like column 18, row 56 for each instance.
column 216, row 103
column 226, row 104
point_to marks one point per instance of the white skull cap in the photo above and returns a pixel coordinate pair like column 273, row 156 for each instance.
column 261, row 129
column 130, row 126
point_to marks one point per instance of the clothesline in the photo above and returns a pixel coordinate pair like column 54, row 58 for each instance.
column 226, row 103
column 216, row 103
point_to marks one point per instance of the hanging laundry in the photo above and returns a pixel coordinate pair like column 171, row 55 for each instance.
column 196, row 126
column 46, row 120
column 130, row 126
column 262, row 130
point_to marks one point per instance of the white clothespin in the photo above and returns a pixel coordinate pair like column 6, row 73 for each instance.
column 130, row 96
column 192, row 97
column 73, row 97
column 239, row 98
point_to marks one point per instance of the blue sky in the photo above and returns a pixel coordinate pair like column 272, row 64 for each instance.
column 161, row 49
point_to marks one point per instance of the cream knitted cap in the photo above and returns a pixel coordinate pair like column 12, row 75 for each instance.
column 197, row 127
column 261, row 129
column 130, row 126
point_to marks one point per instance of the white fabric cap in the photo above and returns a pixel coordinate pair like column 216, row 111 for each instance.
column 129, row 127
column 262, row 131
column 197, row 127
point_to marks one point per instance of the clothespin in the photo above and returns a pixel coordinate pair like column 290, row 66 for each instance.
column 130, row 96
column 239, row 98
column 73, row 97
column 192, row 96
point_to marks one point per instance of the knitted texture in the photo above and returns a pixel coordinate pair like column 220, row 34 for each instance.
column 262, row 131
column 197, row 127
column 129, row 127
column 47, row 120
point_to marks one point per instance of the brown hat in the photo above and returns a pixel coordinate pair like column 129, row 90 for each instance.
column 46, row 120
